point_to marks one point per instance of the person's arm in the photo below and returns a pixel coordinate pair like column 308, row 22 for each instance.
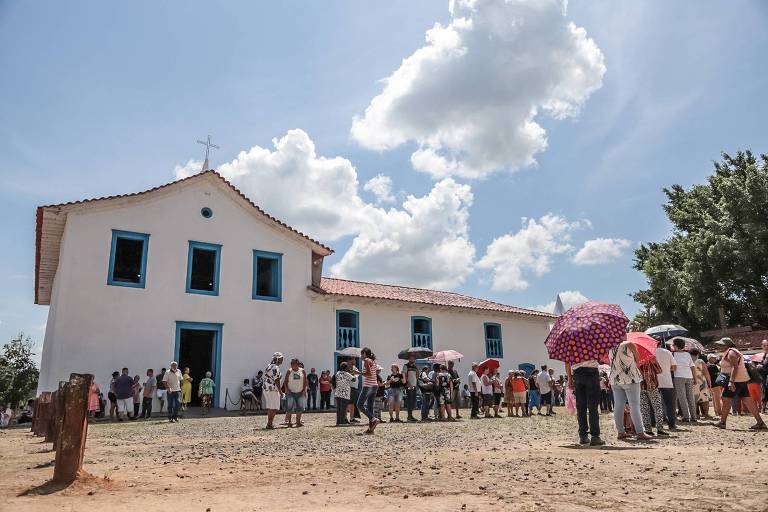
column 569, row 374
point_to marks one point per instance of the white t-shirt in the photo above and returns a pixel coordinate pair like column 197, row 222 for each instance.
column 544, row 381
column 666, row 361
column 684, row 364
column 172, row 380
column 473, row 379
column 486, row 385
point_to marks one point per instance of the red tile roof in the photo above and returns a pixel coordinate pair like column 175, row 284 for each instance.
column 348, row 288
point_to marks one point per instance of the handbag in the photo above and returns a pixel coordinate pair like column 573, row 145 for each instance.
column 722, row 380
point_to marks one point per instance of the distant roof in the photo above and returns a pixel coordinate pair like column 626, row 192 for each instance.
column 344, row 287
column 50, row 227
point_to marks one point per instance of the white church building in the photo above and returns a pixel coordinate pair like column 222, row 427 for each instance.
column 193, row 271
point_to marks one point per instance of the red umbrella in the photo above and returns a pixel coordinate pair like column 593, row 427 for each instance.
column 586, row 332
column 646, row 346
column 758, row 358
column 491, row 364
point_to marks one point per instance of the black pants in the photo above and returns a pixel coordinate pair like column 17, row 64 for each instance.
column 341, row 411
column 410, row 401
column 475, row 399
column 355, row 394
column 587, row 391
column 325, row 399
column 312, row 399
column 669, row 397
column 146, row 407
column 136, row 406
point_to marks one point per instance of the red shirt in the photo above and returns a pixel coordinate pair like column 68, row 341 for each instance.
column 325, row 383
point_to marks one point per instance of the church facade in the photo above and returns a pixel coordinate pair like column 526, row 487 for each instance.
column 193, row 271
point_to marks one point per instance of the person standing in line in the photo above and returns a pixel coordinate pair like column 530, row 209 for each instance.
column 486, row 387
column 544, row 383
column 112, row 397
column 456, row 386
column 395, row 382
column 324, row 384
column 93, row 399
column 519, row 393
column 444, row 384
column 764, row 374
column 343, row 391
column 733, row 378
column 381, row 395
column 713, row 370
column 534, row 399
column 124, row 394
column 498, row 391
column 666, row 385
column 186, row 389
column 136, row 397
column 148, row 394
column 509, row 393
column 312, row 382
column 272, row 388
column 205, row 392
column 411, row 379
column 650, row 399
column 475, row 391
column 686, row 399
column 354, row 411
column 257, row 385
column 701, row 384
column 162, row 390
column 625, row 380
column 295, row 387
column 172, row 380
column 370, row 387
column 584, row 380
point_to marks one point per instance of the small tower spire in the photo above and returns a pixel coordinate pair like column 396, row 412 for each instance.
column 208, row 145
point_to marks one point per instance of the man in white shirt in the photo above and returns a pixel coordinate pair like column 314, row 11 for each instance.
column 172, row 381
column 473, row 380
column 666, row 385
column 686, row 398
column 544, row 381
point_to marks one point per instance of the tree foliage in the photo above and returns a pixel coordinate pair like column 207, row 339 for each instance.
column 717, row 254
column 18, row 371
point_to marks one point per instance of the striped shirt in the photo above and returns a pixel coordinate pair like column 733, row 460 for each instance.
column 369, row 374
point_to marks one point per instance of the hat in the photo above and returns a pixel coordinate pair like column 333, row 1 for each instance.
column 277, row 355
column 726, row 342
column 174, row 363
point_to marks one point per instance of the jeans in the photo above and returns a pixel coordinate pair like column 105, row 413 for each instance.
column 410, row 401
column 426, row 404
column 146, row 407
column 623, row 393
column 586, row 382
column 312, row 398
column 136, row 407
column 354, row 395
column 669, row 397
column 475, row 399
column 173, row 404
column 325, row 400
column 365, row 401
column 686, row 399
column 341, row 411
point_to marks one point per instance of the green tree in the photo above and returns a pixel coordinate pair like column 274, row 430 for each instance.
column 717, row 254
column 18, row 372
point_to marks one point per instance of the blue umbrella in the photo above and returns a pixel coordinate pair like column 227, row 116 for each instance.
column 666, row 331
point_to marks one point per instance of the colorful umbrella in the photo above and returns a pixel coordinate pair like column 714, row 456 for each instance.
column 689, row 344
column 666, row 331
column 586, row 332
column 646, row 346
column 417, row 352
column 491, row 364
column 758, row 358
column 444, row 356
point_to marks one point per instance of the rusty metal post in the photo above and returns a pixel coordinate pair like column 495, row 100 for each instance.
column 36, row 415
column 70, row 446
column 42, row 410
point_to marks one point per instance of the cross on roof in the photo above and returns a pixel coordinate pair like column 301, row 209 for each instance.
column 208, row 145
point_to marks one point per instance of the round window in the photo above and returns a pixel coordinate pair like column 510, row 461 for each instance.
column 206, row 212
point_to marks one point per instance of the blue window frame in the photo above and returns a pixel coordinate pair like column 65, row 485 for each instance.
column 347, row 329
column 493, row 345
column 267, row 276
column 215, row 351
column 421, row 332
column 203, row 262
column 128, row 259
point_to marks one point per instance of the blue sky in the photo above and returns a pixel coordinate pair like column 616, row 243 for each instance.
column 106, row 99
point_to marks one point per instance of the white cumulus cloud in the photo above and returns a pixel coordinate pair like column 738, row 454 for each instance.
column 424, row 243
column 601, row 250
column 381, row 187
column 512, row 256
column 569, row 298
column 471, row 96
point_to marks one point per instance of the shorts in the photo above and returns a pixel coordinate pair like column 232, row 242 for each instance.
column 272, row 400
column 487, row 400
column 125, row 405
column 294, row 402
column 519, row 397
column 112, row 397
column 497, row 398
column 741, row 390
column 546, row 398
column 443, row 397
column 395, row 395
column 161, row 394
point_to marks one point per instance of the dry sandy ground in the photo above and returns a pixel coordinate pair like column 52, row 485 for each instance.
column 232, row 463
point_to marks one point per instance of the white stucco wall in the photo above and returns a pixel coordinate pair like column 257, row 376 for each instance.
column 97, row 328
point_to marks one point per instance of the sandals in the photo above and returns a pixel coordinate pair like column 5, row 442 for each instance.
column 759, row 426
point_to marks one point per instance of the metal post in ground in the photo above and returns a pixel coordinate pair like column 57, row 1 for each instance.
column 73, row 428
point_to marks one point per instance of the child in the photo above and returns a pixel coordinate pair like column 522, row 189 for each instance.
column 444, row 393
column 246, row 395
column 378, row 403
column 205, row 391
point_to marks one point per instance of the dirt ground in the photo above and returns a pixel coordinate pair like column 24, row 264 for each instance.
column 518, row 464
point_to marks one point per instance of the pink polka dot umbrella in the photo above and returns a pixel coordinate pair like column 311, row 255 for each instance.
column 587, row 331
